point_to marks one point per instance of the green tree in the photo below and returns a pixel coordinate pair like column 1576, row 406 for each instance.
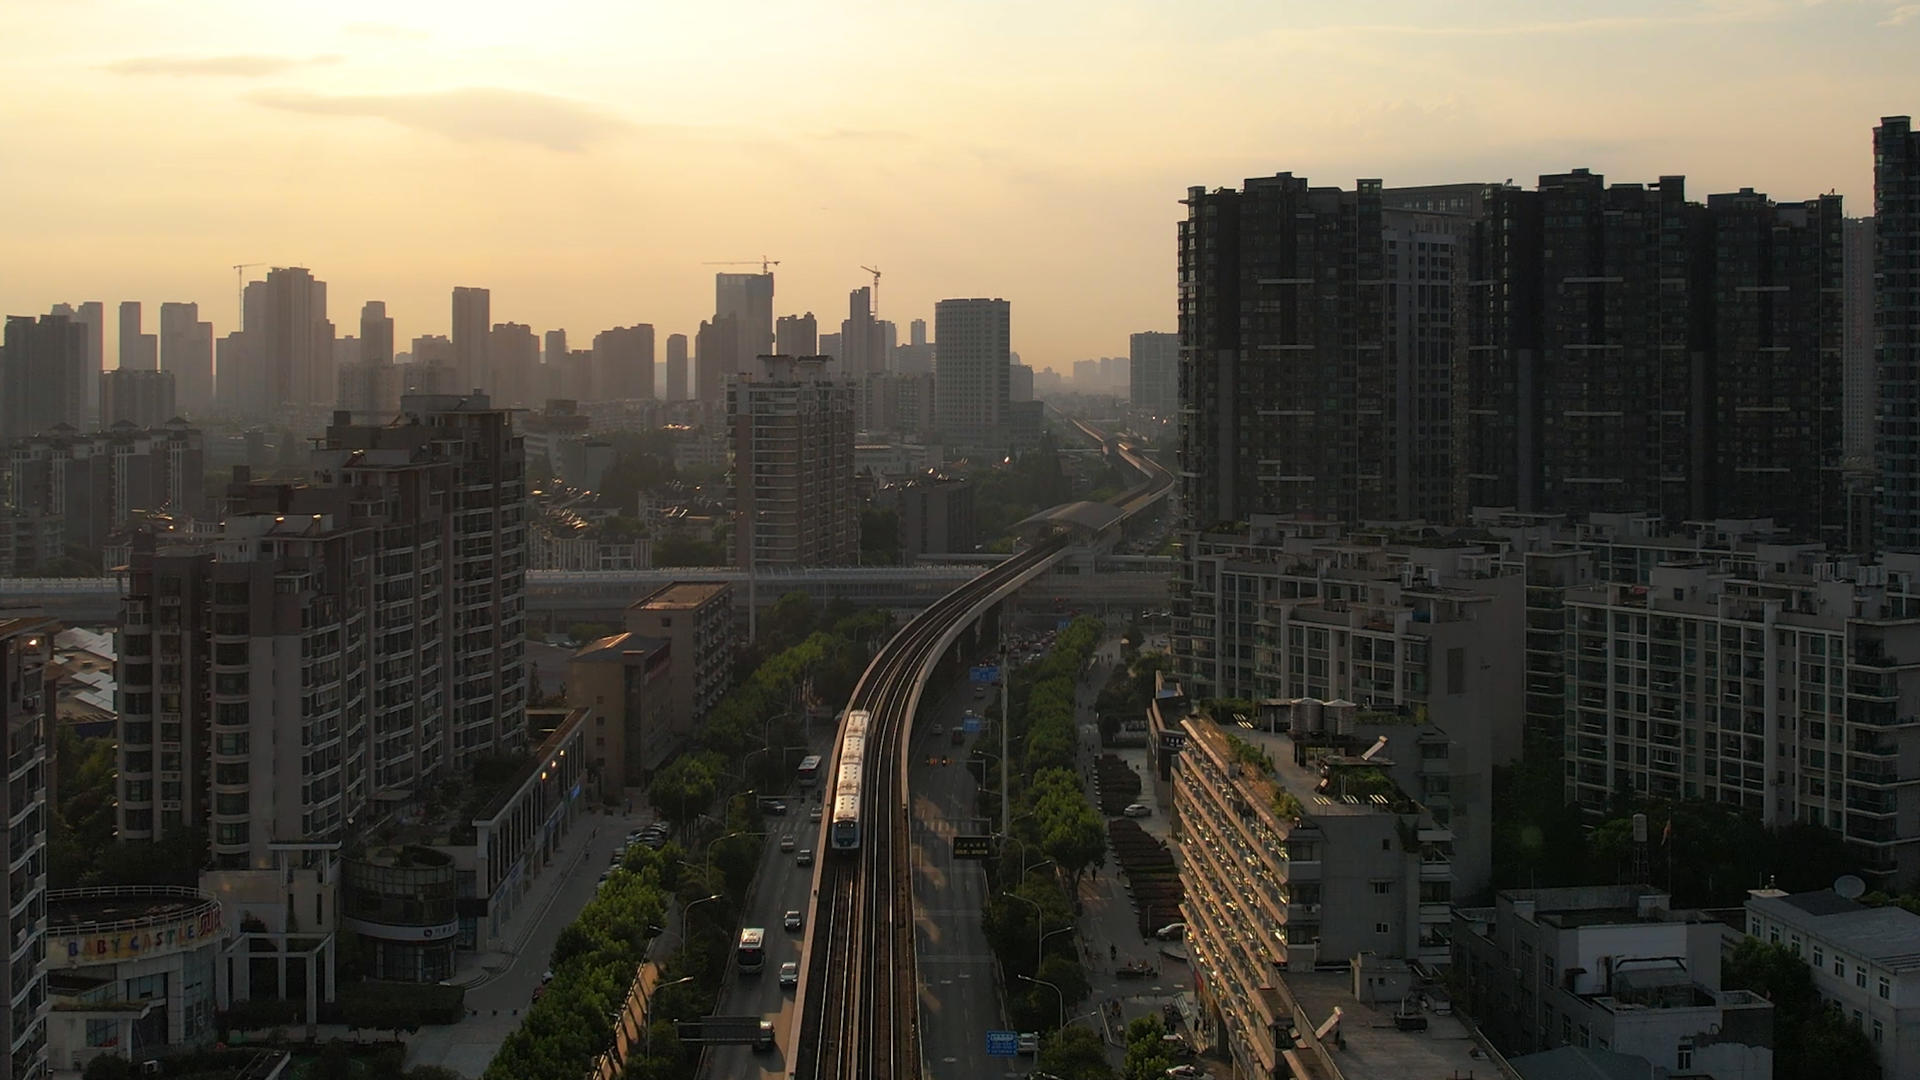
column 1075, row 1053
column 879, row 537
column 683, row 787
column 1811, row 1040
column 1147, row 1057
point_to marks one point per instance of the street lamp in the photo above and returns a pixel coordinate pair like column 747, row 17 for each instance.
column 686, row 924
column 646, row 1010
column 1062, row 995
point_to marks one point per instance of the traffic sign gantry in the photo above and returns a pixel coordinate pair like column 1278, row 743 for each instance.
column 1002, row 1043
column 985, row 673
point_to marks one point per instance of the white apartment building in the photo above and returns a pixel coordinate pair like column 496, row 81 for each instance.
column 1865, row 962
column 1774, row 678
column 971, row 380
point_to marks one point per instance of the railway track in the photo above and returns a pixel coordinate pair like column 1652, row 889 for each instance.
column 859, row 1009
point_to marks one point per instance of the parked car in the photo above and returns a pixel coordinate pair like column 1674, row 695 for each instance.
column 805, row 858
column 1171, row 932
column 786, row 845
column 790, row 974
column 792, row 920
column 1138, row 810
column 1187, row 1072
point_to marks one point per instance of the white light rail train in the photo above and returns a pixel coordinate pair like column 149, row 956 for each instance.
column 846, row 782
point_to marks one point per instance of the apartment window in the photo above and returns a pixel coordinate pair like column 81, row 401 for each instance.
column 1683, row 1055
column 1839, row 966
column 1382, row 888
column 1819, row 957
column 1886, row 988
column 1382, row 928
column 1879, row 1032
column 1860, row 977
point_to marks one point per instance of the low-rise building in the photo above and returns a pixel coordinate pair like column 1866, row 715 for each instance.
column 132, row 970
column 1611, row 967
column 623, row 682
column 1865, row 962
column 697, row 621
column 1294, row 855
column 936, row 517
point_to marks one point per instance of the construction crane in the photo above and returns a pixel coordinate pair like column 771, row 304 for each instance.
column 766, row 264
column 874, row 311
column 240, row 293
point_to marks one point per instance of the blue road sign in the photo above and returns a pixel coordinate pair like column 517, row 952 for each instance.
column 1003, row 1043
column 1063, row 624
column 972, row 725
column 985, row 673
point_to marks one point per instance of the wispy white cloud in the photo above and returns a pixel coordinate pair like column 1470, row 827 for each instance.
column 1902, row 15
column 556, row 123
column 239, row 66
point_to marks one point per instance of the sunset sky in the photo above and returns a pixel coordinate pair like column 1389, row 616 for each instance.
column 584, row 159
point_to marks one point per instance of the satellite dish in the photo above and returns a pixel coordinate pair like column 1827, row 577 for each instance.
column 1849, row 886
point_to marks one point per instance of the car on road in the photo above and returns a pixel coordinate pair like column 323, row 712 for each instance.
column 805, row 858
column 1138, row 810
column 1029, row 1042
column 774, row 807
column 786, row 845
column 1187, row 1072
column 939, row 730
column 790, row 974
column 813, row 814
column 764, row 1040
column 792, row 920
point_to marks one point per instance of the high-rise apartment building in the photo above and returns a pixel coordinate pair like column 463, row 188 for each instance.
column 715, row 353
column 137, row 396
column 26, row 649
column 916, row 356
column 340, row 643
column 376, row 333
column 971, row 390
column 863, row 351
column 1896, row 273
column 43, row 368
column 623, row 363
column 748, row 300
column 284, row 353
column 92, row 315
column 797, row 335
column 472, row 321
column 186, row 351
column 1019, row 383
column 676, row 388
column 138, row 351
column 1153, row 372
column 793, row 431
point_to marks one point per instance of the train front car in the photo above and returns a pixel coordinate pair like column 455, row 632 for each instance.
column 845, row 834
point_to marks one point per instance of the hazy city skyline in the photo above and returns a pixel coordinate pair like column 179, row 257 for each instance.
column 584, row 161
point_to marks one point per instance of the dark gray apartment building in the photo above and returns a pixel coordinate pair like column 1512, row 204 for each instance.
column 1896, row 271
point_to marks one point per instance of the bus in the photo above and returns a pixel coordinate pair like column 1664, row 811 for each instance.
column 752, row 953
column 809, row 773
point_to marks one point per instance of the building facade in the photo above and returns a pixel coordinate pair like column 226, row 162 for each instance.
column 748, row 300
column 1153, row 379
column 97, row 484
column 624, row 683
column 1896, row 306
column 793, row 436
column 43, row 378
column 936, row 517
column 186, row 351
column 26, row 648
column 142, row 398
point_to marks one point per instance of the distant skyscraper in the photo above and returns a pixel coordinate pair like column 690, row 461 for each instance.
column 376, row 333
column 830, row 346
column 797, row 335
column 289, row 346
column 971, row 381
column 864, row 352
column 748, row 298
column 916, row 357
column 1019, row 382
column 472, row 322
column 91, row 315
column 513, row 359
column 1896, row 271
column 40, row 369
column 676, row 388
column 716, row 351
column 137, row 396
column 186, row 350
column 138, row 351
column 917, row 332
column 623, row 363
column 556, row 346
column 1153, row 378
column 793, row 430
column 1857, row 351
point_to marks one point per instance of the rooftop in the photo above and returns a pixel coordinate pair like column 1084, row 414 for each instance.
column 1374, row 1046
column 1267, row 765
column 680, row 596
column 616, row 647
column 1889, row 936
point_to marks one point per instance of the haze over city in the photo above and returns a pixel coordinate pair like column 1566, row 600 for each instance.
column 584, row 160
